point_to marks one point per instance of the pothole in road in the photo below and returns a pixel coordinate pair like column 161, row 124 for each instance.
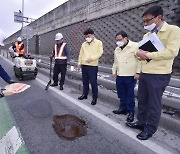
column 40, row 108
column 69, row 127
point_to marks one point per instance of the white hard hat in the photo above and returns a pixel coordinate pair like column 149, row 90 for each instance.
column 2, row 37
column 58, row 36
column 19, row 39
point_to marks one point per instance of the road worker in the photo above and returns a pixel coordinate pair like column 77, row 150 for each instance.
column 61, row 55
column 19, row 47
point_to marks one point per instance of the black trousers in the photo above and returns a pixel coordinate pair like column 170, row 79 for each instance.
column 89, row 74
column 59, row 68
column 4, row 75
column 150, row 91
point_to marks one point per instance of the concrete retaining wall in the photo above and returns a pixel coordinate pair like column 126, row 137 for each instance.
column 106, row 17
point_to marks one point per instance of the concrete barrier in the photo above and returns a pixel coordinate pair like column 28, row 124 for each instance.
column 109, row 84
column 105, row 69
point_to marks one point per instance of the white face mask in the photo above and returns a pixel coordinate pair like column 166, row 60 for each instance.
column 88, row 39
column 150, row 27
column 119, row 43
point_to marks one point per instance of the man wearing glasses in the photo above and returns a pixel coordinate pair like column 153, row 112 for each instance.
column 156, row 73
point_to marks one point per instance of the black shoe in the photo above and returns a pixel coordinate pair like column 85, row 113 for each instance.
column 144, row 135
column 54, row 85
column 94, row 101
column 11, row 82
column 135, row 125
column 130, row 117
column 61, row 88
column 82, row 97
column 120, row 111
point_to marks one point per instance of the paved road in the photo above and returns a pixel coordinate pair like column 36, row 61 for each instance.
column 34, row 109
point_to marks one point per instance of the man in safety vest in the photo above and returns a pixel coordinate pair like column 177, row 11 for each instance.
column 61, row 55
column 19, row 47
column 3, row 73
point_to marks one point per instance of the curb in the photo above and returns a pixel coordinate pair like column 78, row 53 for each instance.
column 166, row 121
column 109, row 84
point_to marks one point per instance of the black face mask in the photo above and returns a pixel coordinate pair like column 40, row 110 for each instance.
column 19, row 42
column 59, row 43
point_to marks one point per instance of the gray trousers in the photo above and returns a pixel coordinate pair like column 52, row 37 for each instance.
column 150, row 91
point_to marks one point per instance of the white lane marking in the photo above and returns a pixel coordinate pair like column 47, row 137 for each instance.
column 149, row 144
column 11, row 142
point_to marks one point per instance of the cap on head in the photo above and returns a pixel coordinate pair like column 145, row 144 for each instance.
column 58, row 36
column 2, row 37
column 19, row 39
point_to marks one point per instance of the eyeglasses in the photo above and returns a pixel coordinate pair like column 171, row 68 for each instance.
column 148, row 20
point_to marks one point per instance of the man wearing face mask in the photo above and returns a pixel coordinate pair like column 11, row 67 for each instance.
column 62, row 56
column 126, row 69
column 89, row 55
column 156, row 73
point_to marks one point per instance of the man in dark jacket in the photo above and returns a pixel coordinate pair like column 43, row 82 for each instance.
column 62, row 56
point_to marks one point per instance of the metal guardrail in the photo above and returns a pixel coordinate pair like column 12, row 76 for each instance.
column 106, row 69
column 109, row 84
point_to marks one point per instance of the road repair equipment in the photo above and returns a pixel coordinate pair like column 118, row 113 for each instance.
column 50, row 74
column 25, row 67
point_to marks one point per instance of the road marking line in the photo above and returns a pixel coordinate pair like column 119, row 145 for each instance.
column 149, row 144
column 11, row 142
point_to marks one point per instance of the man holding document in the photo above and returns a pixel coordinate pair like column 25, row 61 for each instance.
column 157, row 52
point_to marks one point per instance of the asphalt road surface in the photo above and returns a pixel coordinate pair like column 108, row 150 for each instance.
column 33, row 111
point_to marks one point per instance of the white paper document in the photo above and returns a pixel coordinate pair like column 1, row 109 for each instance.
column 153, row 38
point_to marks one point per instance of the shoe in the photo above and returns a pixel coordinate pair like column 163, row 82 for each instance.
column 94, row 101
column 82, row 97
column 135, row 125
column 11, row 82
column 120, row 111
column 144, row 135
column 130, row 117
column 61, row 88
column 54, row 85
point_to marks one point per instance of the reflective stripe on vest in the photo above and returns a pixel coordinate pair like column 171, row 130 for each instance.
column 59, row 55
column 18, row 46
